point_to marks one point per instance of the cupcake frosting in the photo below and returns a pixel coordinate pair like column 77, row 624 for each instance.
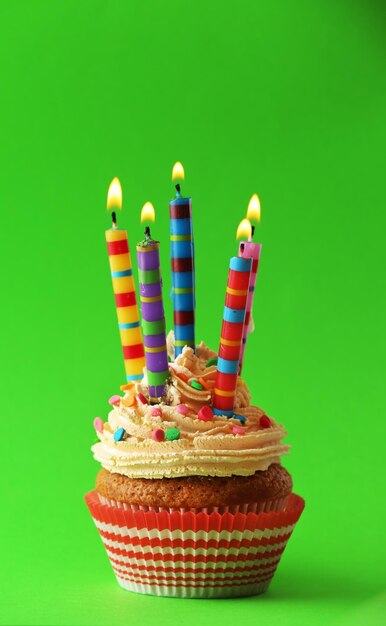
column 221, row 446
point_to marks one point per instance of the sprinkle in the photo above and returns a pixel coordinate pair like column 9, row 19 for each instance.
column 127, row 386
column 182, row 409
column 204, row 383
column 98, row 424
column 183, row 377
column 128, row 400
column 196, row 385
column 155, row 411
column 158, row 434
column 241, row 418
column 119, row 434
column 211, row 362
column 265, row 422
column 172, row 433
column 205, row 414
column 115, row 400
column 238, row 430
column 142, row 398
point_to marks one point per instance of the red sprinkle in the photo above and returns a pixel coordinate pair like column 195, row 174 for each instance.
column 142, row 398
column 158, row 434
column 156, row 412
column 265, row 422
column 205, row 414
column 115, row 400
column 238, row 430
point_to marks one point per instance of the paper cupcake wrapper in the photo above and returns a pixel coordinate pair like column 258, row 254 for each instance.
column 194, row 555
column 279, row 504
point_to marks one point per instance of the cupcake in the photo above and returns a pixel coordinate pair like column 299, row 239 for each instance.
column 189, row 503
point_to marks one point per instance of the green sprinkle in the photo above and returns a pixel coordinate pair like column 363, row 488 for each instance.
column 172, row 433
column 196, row 385
column 212, row 361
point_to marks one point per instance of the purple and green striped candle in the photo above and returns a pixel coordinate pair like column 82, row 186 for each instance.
column 153, row 316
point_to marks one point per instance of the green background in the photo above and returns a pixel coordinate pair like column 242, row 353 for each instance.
column 282, row 98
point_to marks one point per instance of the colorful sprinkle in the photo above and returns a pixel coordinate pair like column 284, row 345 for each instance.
column 196, row 385
column 158, row 434
column 172, row 433
column 182, row 409
column 129, row 400
column 155, row 411
column 115, row 400
column 98, row 424
column 204, row 383
column 241, row 418
column 211, row 362
column 126, row 387
column 265, row 422
column 205, row 414
column 183, row 377
column 238, row 430
column 142, row 398
column 119, row 434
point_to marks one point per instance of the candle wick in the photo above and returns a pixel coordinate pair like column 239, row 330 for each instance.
column 114, row 219
column 147, row 232
column 178, row 188
column 253, row 232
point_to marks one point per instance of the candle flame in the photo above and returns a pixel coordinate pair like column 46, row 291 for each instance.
column 178, row 171
column 114, row 195
column 254, row 208
column 148, row 213
column 244, row 229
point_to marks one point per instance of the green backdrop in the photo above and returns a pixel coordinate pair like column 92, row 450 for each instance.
column 282, row 98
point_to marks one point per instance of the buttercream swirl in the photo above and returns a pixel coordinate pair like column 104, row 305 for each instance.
column 204, row 448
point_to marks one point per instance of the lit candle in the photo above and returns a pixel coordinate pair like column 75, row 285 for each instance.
column 152, row 309
column 231, row 336
column 124, row 289
column 249, row 250
column 182, row 257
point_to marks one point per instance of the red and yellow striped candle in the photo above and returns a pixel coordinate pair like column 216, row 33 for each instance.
column 231, row 336
column 124, row 291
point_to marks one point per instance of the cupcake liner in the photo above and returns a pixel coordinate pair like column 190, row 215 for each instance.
column 193, row 554
column 277, row 504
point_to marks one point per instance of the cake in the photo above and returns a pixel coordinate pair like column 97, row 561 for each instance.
column 190, row 503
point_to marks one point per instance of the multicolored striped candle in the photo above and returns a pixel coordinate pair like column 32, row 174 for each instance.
column 231, row 336
column 124, row 290
column 182, row 256
column 249, row 250
column 153, row 317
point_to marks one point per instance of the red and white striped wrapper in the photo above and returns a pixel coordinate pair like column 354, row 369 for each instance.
column 194, row 555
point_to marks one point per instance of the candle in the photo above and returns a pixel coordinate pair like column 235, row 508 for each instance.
column 182, row 257
column 231, row 336
column 124, row 290
column 153, row 317
column 249, row 250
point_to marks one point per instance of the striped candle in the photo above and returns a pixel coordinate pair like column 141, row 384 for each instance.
column 249, row 250
column 231, row 336
column 153, row 317
column 126, row 302
column 182, row 256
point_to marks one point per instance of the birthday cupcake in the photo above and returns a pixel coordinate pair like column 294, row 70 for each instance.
column 192, row 499
column 189, row 503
